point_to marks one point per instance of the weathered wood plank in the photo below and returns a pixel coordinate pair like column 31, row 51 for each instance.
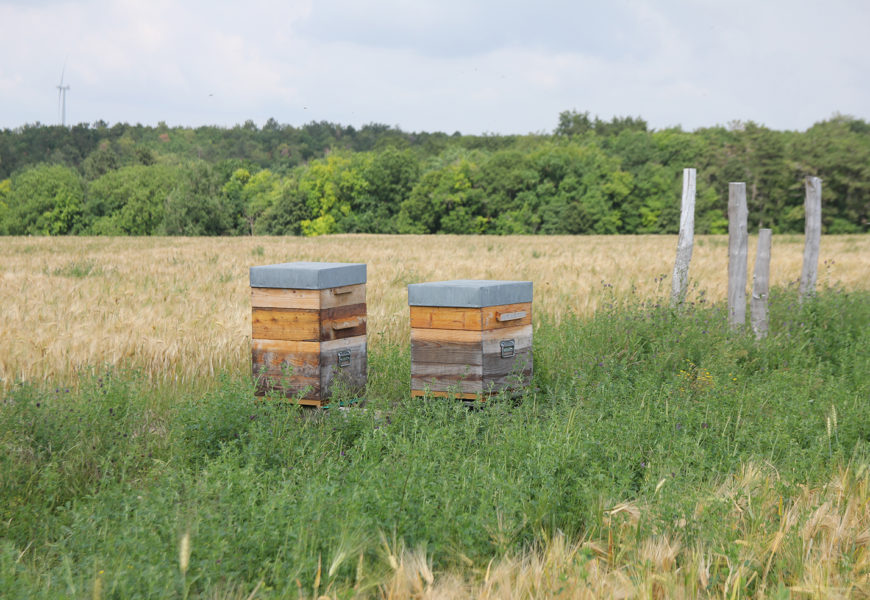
column 282, row 298
column 522, row 336
column 352, row 375
column 758, row 304
column 680, row 279
column 459, row 336
column 468, row 390
column 343, row 322
column 276, row 358
column 288, row 367
column 738, row 254
column 812, row 235
column 447, row 384
column 511, row 381
column 494, row 365
column 455, row 370
column 438, row 351
column 343, row 296
column 436, row 394
column 293, row 387
column 285, row 324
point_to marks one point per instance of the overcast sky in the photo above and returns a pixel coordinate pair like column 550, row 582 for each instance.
column 495, row 66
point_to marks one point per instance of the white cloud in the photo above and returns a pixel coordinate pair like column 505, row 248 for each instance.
column 485, row 66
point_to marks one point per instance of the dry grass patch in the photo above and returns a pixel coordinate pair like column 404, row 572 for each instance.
column 812, row 545
column 179, row 308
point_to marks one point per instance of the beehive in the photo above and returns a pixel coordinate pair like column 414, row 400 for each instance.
column 308, row 329
column 470, row 338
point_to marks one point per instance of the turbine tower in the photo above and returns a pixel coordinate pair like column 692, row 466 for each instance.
column 61, row 97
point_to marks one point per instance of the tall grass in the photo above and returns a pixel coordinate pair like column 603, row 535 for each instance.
column 656, row 455
column 178, row 309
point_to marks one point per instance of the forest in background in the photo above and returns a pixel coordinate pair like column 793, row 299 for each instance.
column 589, row 176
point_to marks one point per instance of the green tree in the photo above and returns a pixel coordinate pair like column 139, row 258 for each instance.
column 838, row 151
column 100, row 161
column 389, row 177
column 5, row 192
column 287, row 211
column 584, row 189
column 45, row 200
column 131, row 200
column 258, row 194
column 507, row 180
column 573, row 123
column 196, row 206
column 329, row 187
column 444, row 201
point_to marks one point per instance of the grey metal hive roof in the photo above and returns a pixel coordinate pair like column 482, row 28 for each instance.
column 469, row 293
column 308, row 275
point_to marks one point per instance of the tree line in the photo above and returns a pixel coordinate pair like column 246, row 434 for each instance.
column 587, row 176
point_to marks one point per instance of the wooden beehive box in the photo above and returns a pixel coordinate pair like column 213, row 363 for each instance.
column 308, row 329
column 470, row 338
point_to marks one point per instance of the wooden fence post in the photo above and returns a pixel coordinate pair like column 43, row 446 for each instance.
column 738, row 250
column 758, row 308
column 680, row 280
column 813, row 235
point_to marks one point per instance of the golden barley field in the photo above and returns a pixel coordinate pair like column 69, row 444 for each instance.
column 179, row 308
column 809, row 536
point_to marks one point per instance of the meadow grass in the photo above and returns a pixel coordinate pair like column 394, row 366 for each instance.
column 657, row 454
column 178, row 309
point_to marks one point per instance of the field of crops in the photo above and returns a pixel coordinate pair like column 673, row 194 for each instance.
column 657, row 454
column 179, row 308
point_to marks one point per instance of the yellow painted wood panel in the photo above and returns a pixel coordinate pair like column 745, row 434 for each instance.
column 459, row 336
column 473, row 319
column 282, row 298
column 444, row 317
column 490, row 316
column 285, row 324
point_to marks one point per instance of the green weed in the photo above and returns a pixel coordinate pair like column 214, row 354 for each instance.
column 638, row 406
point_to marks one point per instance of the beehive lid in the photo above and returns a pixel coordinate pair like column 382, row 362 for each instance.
column 308, row 275
column 469, row 293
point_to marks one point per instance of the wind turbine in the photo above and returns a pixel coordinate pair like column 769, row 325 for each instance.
column 61, row 97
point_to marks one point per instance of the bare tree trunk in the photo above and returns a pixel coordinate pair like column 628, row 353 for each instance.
column 680, row 280
column 738, row 250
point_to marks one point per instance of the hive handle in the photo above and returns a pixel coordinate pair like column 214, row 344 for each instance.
column 510, row 316
column 341, row 291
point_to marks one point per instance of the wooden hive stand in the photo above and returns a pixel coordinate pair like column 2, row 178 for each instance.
column 470, row 339
column 308, row 329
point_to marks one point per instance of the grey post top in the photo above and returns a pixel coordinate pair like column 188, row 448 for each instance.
column 308, row 275
column 469, row 293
